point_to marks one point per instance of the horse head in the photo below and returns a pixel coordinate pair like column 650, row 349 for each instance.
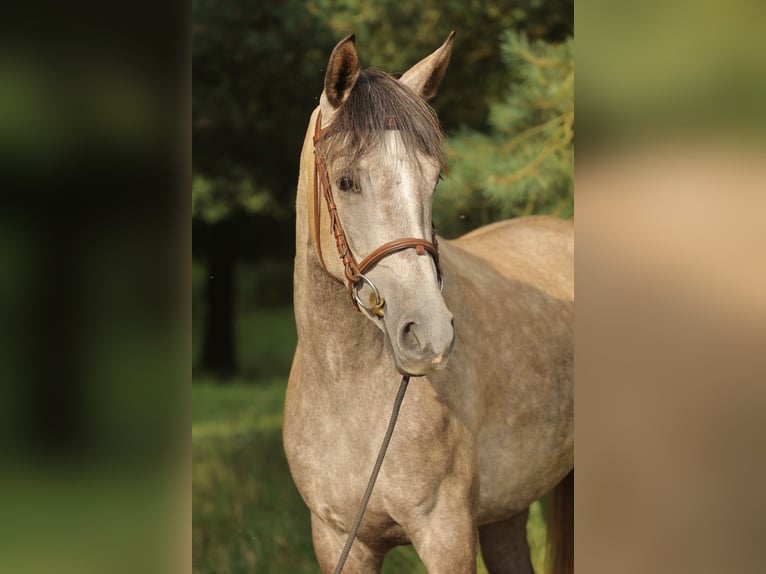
column 379, row 150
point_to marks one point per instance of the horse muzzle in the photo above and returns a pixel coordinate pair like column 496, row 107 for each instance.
column 422, row 345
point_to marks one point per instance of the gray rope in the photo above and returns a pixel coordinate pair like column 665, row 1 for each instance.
column 374, row 475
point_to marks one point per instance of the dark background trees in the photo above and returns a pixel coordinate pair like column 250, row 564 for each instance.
column 257, row 74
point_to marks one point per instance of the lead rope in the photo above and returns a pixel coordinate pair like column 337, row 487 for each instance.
column 374, row 475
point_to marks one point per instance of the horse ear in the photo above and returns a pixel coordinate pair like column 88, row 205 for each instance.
column 424, row 77
column 342, row 73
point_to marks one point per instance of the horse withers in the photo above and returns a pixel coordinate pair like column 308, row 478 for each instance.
column 484, row 322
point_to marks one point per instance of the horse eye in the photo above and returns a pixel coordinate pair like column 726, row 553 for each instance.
column 345, row 183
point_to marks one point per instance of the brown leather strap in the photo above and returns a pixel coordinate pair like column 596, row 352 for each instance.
column 352, row 269
column 318, row 132
column 420, row 246
column 322, row 178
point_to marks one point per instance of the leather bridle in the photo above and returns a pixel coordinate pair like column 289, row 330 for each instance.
column 353, row 270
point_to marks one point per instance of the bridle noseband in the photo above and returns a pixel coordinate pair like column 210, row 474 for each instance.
column 355, row 272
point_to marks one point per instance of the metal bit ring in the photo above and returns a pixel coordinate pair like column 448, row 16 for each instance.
column 376, row 300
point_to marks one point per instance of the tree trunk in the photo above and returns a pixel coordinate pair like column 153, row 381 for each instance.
column 219, row 351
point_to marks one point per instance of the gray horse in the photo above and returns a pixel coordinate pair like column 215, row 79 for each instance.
column 487, row 426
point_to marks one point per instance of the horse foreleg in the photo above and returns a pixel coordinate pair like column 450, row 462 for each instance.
column 445, row 540
column 504, row 546
column 328, row 546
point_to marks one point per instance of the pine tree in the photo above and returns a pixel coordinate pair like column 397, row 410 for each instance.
column 524, row 164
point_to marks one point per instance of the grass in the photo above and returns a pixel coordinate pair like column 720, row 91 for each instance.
column 247, row 515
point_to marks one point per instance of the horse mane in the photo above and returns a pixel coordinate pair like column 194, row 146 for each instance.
column 379, row 102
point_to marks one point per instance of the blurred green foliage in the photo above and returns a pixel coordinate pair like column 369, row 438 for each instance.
column 249, row 102
column 703, row 77
column 259, row 68
column 524, row 163
column 89, row 519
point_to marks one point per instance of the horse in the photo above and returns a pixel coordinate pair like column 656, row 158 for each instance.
column 483, row 324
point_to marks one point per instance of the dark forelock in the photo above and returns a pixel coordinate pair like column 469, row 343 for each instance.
column 379, row 102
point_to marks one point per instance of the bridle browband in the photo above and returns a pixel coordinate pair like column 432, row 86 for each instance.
column 355, row 272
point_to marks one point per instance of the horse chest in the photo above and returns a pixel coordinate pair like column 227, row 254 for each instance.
column 330, row 464
column 332, row 449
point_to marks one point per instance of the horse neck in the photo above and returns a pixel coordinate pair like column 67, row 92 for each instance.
column 328, row 325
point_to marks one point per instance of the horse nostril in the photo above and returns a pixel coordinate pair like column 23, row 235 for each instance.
column 408, row 338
